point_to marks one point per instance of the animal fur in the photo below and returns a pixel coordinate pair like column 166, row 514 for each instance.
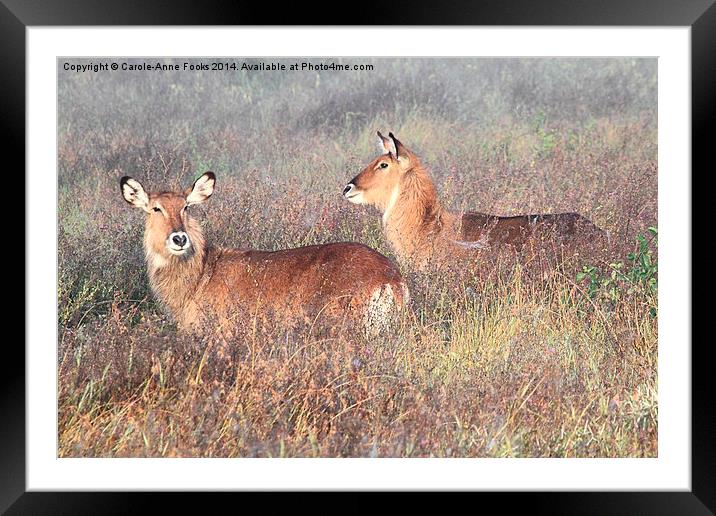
column 421, row 230
column 206, row 286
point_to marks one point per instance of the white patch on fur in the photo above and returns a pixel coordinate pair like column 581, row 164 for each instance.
column 391, row 204
column 203, row 188
column 134, row 193
column 175, row 249
column 379, row 311
column 155, row 261
column 178, row 251
column 356, row 198
column 481, row 243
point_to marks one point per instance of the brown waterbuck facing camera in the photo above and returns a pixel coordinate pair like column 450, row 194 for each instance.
column 203, row 286
column 420, row 230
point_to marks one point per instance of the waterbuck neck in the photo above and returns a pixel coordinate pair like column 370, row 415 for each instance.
column 175, row 280
column 415, row 217
column 391, row 204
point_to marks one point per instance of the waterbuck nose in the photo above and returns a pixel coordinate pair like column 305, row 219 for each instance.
column 179, row 239
column 348, row 189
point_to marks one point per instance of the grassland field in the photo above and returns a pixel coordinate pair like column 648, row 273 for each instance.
column 507, row 363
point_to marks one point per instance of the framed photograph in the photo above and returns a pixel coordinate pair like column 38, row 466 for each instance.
column 452, row 255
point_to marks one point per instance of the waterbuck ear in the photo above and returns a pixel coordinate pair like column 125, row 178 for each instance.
column 400, row 150
column 387, row 145
column 202, row 189
column 133, row 192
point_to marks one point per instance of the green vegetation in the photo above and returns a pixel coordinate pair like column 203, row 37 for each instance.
column 637, row 279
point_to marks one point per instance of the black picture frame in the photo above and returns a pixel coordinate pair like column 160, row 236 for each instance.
column 17, row 15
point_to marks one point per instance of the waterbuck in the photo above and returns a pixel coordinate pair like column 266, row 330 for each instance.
column 204, row 286
column 421, row 230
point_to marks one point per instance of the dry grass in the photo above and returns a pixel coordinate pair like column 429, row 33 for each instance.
column 514, row 360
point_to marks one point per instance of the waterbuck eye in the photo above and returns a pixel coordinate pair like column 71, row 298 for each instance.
column 156, row 209
column 384, row 165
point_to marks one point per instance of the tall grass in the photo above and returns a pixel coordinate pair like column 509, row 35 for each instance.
column 513, row 360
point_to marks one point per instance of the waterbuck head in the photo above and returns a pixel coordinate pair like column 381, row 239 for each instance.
column 170, row 232
column 378, row 184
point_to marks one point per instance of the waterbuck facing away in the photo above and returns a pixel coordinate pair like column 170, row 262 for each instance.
column 204, row 286
column 421, row 231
